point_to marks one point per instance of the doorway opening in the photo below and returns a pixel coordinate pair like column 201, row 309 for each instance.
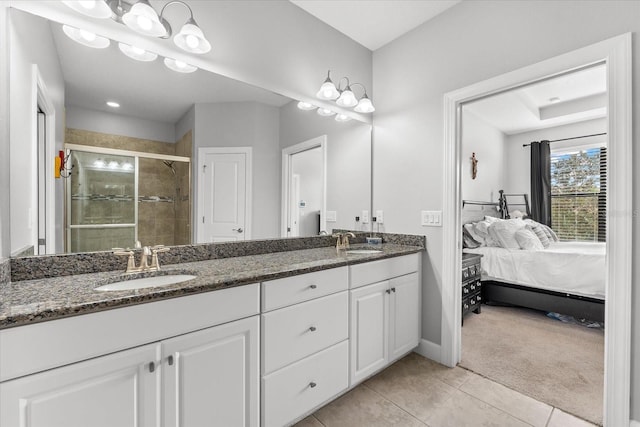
column 304, row 194
column 616, row 54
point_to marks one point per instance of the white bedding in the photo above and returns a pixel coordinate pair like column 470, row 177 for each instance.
column 577, row 268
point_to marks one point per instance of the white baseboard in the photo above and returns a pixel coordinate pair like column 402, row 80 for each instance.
column 634, row 423
column 430, row 351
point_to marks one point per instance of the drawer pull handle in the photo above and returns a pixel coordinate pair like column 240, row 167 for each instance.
column 473, row 287
column 466, row 306
column 313, row 286
column 312, row 329
column 312, row 384
column 479, row 297
column 170, row 360
column 152, row 366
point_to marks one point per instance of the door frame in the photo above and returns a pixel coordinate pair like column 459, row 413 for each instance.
column 248, row 195
column 616, row 54
column 287, row 153
column 40, row 98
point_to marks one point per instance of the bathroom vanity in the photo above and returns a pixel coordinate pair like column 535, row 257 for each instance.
column 260, row 340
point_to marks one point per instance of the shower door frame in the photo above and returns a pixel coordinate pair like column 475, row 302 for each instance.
column 117, row 152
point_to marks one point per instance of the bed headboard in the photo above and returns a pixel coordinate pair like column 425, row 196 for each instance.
column 473, row 210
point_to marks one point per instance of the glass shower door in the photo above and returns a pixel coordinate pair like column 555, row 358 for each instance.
column 101, row 212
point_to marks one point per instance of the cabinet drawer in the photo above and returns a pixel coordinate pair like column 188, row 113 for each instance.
column 295, row 390
column 292, row 333
column 377, row 271
column 292, row 290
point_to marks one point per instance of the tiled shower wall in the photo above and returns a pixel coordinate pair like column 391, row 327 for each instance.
column 164, row 197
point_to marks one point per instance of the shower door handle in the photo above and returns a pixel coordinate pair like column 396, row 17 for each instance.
column 239, row 230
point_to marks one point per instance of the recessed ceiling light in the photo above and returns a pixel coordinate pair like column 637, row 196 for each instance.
column 113, row 104
column 554, row 100
column 85, row 37
column 179, row 66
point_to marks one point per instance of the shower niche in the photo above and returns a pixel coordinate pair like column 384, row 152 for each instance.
column 115, row 198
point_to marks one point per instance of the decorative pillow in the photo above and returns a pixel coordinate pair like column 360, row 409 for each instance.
column 528, row 240
column 468, row 241
column 481, row 228
column 504, row 232
column 551, row 235
column 540, row 234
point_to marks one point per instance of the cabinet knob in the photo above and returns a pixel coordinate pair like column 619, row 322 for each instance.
column 313, row 286
column 393, row 289
column 312, row 384
column 152, row 366
column 312, row 329
column 388, row 291
column 170, row 359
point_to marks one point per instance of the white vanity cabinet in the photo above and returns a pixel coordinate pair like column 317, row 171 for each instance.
column 206, row 377
column 385, row 313
column 305, row 350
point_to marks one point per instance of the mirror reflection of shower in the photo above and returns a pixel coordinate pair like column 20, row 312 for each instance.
column 102, row 213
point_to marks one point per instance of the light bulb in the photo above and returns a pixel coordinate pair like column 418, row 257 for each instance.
column 192, row 41
column 88, row 4
column 365, row 105
column 113, row 104
column 179, row 66
column 342, row 118
column 325, row 112
column 347, row 98
column 87, row 35
column 137, row 53
column 86, row 38
column 144, row 23
column 306, row 106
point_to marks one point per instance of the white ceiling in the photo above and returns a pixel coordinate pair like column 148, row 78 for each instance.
column 374, row 23
column 582, row 96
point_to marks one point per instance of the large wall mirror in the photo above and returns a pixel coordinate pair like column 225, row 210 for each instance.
column 185, row 158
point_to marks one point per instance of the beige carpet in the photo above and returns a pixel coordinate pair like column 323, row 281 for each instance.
column 558, row 363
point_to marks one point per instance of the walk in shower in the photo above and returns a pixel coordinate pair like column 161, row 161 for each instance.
column 117, row 197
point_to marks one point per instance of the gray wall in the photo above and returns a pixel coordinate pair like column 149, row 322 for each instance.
column 471, row 42
column 247, row 124
column 5, row 225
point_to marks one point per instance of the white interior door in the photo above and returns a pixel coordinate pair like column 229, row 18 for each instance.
column 224, row 185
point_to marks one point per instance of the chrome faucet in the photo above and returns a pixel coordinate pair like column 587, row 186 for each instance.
column 343, row 240
column 144, row 258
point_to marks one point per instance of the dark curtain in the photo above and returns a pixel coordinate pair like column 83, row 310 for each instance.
column 541, row 182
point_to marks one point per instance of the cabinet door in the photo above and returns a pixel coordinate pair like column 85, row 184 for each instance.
column 369, row 323
column 404, row 319
column 121, row 389
column 212, row 376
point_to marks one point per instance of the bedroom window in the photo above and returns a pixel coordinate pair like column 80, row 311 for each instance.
column 579, row 194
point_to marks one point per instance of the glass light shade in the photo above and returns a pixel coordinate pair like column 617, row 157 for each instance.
column 365, row 105
column 325, row 112
column 179, row 66
column 143, row 19
column 328, row 91
column 137, row 53
column 347, row 98
column 191, row 38
column 85, row 37
column 342, row 118
column 306, row 106
column 92, row 8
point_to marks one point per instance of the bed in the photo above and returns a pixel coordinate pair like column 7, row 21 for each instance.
column 565, row 277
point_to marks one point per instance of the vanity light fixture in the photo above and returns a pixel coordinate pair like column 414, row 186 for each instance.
column 92, row 8
column 86, row 38
column 306, row 106
column 137, row 53
column 113, row 104
column 179, row 66
column 142, row 18
column 345, row 97
column 342, row 118
column 325, row 112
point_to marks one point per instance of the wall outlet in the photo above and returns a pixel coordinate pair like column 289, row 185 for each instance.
column 365, row 217
column 431, row 218
column 379, row 217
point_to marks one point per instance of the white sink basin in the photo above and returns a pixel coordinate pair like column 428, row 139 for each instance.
column 146, row 282
column 363, row 251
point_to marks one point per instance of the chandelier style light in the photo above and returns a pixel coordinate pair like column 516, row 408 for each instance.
column 345, row 97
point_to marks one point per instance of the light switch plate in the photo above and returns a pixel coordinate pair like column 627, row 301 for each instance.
column 365, row 217
column 379, row 217
column 332, row 216
column 431, row 218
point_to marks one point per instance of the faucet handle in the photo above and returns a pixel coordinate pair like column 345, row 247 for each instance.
column 155, row 263
column 131, row 261
column 159, row 248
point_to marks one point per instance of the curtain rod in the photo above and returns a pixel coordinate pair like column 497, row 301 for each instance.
column 567, row 139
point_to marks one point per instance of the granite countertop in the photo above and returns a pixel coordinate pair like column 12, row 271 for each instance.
column 30, row 301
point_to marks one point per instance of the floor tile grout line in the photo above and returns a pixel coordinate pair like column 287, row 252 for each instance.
column 394, row 404
column 501, row 410
column 316, row 418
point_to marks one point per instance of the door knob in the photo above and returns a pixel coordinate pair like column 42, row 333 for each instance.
column 239, row 230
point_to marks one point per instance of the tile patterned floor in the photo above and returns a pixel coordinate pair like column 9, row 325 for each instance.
column 419, row 392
